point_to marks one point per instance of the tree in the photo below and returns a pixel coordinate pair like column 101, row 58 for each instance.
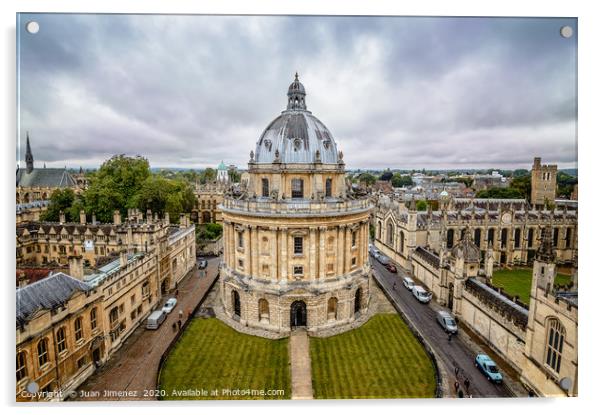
column 116, row 185
column 500, row 193
column 208, row 175
column 387, row 175
column 161, row 195
column 566, row 183
column 421, row 205
column 367, row 179
column 60, row 199
column 234, row 176
column 522, row 184
column 401, row 181
column 210, row 231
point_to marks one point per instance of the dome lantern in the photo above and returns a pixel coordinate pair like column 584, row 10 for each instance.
column 296, row 95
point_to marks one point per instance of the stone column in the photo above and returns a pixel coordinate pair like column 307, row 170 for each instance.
column 274, row 253
column 340, row 252
column 254, row 251
column 322, row 257
column 312, row 253
column 283, row 253
column 247, row 235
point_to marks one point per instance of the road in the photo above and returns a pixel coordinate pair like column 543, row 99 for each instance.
column 452, row 354
column 131, row 373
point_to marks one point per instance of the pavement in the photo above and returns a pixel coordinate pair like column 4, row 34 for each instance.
column 131, row 373
column 456, row 356
column 300, row 365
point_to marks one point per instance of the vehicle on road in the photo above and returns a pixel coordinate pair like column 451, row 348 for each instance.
column 169, row 305
column 155, row 319
column 421, row 294
column 202, row 264
column 391, row 268
column 447, row 321
column 383, row 259
column 488, row 367
column 408, row 283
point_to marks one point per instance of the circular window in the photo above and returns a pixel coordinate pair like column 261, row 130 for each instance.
column 268, row 144
column 297, row 144
column 326, row 144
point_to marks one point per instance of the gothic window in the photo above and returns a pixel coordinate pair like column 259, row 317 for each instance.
column 298, row 245
column 61, row 340
column 236, row 303
column 554, row 345
column 264, row 310
column 332, row 308
column 114, row 315
column 517, row 238
column 42, row 352
column 21, row 366
column 504, row 237
column 93, row 316
column 530, row 238
column 450, row 238
column 490, row 236
column 477, row 237
column 567, row 238
column 297, row 188
column 462, row 233
column 265, row 187
column 555, row 243
column 329, row 187
column 357, row 305
column 390, row 234
column 401, row 241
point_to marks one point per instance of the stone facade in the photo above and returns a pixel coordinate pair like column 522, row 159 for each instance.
column 295, row 236
column 543, row 183
column 209, row 197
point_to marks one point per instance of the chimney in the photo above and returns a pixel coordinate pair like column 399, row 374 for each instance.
column 76, row 267
column 123, row 258
column 61, row 217
column 82, row 217
column 93, row 219
column 116, row 217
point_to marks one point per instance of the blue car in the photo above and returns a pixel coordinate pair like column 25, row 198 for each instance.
column 488, row 367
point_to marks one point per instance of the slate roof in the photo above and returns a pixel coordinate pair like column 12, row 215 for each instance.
column 47, row 294
column 45, row 177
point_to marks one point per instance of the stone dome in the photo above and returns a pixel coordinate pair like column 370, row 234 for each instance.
column 296, row 136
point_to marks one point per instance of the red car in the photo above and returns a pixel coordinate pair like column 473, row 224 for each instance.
column 391, row 268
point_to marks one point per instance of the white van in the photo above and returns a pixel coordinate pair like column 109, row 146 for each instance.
column 421, row 294
column 155, row 319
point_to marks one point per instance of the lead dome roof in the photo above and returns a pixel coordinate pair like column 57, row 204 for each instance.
column 296, row 134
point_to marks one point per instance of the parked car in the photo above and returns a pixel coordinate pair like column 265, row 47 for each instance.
column 169, row 305
column 155, row 319
column 488, row 367
column 408, row 283
column 202, row 264
column 383, row 259
column 421, row 294
column 391, row 268
column 447, row 321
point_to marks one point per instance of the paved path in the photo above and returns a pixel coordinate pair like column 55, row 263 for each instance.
column 131, row 373
column 452, row 354
column 300, row 365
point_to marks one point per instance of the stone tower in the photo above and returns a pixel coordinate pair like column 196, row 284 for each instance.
column 543, row 183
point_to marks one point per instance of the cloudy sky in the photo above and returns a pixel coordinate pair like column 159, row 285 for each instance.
column 189, row 91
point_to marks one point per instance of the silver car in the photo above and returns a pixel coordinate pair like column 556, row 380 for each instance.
column 447, row 321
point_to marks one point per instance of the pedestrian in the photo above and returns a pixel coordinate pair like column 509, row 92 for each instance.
column 173, row 326
column 449, row 336
column 466, row 384
column 179, row 324
column 395, row 285
column 189, row 313
column 181, row 313
column 456, row 370
column 456, row 386
column 177, row 292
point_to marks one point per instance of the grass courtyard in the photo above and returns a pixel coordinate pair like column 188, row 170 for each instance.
column 212, row 356
column 381, row 359
column 518, row 281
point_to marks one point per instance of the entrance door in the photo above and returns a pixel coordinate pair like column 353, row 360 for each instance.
column 298, row 314
column 96, row 356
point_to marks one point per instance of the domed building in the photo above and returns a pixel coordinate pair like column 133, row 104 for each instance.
column 296, row 236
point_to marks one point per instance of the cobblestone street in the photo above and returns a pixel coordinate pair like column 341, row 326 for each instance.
column 131, row 373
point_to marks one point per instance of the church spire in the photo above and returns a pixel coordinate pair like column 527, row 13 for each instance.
column 296, row 95
column 28, row 156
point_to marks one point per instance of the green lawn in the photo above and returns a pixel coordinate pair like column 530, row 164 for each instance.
column 381, row 359
column 518, row 281
column 212, row 356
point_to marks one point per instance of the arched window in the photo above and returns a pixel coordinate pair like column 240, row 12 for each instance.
column 477, row 237
column 401, row 241
column 450, row 238
column 265, row 187
column 61, row 340
column 379, row 232
column 264, row 311
column 530, row 235
column 236, row 303
column 517, row 238
column 79, row 330
column 390, row 234
column 42, row 352
column 332, row 308
column 490, row 236
column 21, row 366
column 297, row 188
column 93, row 319
column 329, row 187
column 504, row 237
column 357, row 306
column 554, row 345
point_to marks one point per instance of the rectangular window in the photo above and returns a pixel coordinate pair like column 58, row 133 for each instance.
column 133, row 299
column 353, row 238
column 241, row 240
column 265, row 187
column 241, row 263
column 298, row 245
column 328, row 187
column 79, row 332
column 61, row 341
column 93, row 324
column 298, row 270
column 297, row 188
column 330, row 268
column 353, row 261
column 81, row 362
